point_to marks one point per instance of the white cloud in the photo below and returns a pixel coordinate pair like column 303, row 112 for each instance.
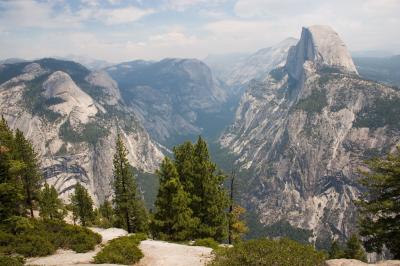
column 182, row 5
column 45, row 15
column 121, row 15
column 28, row 13
column 173, row 38
column 254, row 24
column 272, row 8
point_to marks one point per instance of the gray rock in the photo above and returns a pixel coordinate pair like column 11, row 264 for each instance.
column 351, row 262
column 73, row 133
column 299, row 133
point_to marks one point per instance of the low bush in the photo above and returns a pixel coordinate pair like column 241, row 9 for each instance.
column 11, row 261
column 30, row 245
column 122, row 250
column 30, row 238
column 206, row 242
column 266, row 252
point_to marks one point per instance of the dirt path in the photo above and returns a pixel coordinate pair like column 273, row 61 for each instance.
column 69, row 257
column 159, row 253
column 156, row 253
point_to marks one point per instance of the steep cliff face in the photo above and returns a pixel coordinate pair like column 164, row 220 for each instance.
column 72, row 117
column 169, row 96
column 305, row 130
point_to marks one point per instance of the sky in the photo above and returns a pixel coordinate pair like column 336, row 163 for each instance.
column 124, row 30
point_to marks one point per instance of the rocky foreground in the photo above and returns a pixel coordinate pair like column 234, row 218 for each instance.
column 347, row 262
column 157, row 253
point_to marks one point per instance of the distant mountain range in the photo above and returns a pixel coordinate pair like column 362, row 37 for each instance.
column 297, row 118
column 382, row 69
column 172, row 96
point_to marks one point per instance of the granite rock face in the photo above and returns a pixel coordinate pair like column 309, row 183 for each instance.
column 351, row 262
column 305, row 130
column 55, row 106
column 322, row 46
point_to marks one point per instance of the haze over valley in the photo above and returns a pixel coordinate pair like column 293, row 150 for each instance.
column 290, row 113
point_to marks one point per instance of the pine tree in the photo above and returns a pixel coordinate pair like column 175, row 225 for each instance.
column 29, row 170
column 50, row 206
column 106, row 212
column 354, row 249
column 129, row 208
column 380, row 206
column 11, row 188
column 336, row 251
column 213, row 197
column 184, row 162
column 208, row 199
column 173, row 218
column 82, row 205
column 238, row 226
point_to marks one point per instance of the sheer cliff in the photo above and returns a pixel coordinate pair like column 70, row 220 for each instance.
column 306, row 129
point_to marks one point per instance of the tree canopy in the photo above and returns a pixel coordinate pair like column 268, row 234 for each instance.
column 129, row 207
column 191, row 180
column 380, row 206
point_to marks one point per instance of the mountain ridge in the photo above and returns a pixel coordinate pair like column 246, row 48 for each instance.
column 304, row 131
column 54, row 105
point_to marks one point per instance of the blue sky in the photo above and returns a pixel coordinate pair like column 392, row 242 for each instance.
column 117, row 30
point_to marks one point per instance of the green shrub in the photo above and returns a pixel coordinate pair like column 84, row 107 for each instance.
column 206, row 242
column 266, row 252
column 122, row 250
column 79, row 239
column 5, row 240
column 33, row 246
column 29, row 237
column 313, row 103
column 11, row 261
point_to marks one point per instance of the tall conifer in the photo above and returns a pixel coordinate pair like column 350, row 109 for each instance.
column 28, row 169
column 50, row 205
column 200, row 179
column 129, row 208
column 82, row 205
column 173, row 218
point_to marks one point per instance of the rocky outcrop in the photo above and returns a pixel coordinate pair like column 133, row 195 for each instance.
column 109, row 87
column 323, row 46
column 350, row 262
column 70, row 99
column 73, row 133
column 304, row 132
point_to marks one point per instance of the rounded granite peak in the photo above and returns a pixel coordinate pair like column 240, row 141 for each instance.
column 323, row 46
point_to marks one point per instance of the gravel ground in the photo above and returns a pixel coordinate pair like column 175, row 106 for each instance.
column 156, row 253
column 159, row 253
column 69, row 257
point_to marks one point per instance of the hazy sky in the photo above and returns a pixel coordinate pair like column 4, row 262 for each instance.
column 122, row 30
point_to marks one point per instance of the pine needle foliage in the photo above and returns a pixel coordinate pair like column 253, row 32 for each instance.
column 129, row 207
column 380, row 205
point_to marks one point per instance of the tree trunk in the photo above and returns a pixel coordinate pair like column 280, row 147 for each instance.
column 231, row 209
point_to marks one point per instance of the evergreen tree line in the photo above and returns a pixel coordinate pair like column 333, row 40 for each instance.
column 19, row 174
column 191, row 202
